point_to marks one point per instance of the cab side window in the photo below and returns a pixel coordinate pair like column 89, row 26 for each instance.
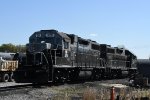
column 66, row 45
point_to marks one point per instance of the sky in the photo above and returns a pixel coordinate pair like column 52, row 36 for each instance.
column 113, row 22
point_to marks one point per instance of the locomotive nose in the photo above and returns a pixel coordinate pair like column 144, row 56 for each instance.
column 38, row 47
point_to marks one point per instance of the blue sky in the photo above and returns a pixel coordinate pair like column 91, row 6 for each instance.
column 114, row 22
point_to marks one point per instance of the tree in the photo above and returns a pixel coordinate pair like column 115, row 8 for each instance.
column 12, row 48
column 7, row 48
column 21, row 48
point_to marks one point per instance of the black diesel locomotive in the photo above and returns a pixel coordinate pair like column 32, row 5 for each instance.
column 54, row 56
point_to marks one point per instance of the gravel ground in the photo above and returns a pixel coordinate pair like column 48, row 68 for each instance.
column 61, row 92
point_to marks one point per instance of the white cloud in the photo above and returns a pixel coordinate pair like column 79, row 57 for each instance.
column 92, row 34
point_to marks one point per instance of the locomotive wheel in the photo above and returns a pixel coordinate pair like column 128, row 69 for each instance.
column 11, row 78
column 112, row 72
column 59, row 76
column 56, row 76
column 74, row 76
column 5, row 78
column 100, row 75
column 119, row 75
column 95, row 75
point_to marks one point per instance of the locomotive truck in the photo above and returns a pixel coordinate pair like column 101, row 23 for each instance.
column 53, row 56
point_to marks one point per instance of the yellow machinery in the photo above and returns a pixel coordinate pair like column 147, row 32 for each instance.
column 7, row 67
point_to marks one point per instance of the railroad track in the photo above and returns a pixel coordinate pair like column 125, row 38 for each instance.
column 14, row 86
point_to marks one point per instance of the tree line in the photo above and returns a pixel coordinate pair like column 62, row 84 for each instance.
column 12, row 48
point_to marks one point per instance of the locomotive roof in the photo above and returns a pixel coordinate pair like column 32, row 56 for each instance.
column 64, row 36
column 126, row 50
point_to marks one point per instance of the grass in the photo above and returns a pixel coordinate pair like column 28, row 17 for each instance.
column 100, row 93
column 89, row 94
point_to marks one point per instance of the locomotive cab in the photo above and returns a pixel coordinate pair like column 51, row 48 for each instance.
column 47, row 50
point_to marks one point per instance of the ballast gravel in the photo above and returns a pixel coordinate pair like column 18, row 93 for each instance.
column 60, row 92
